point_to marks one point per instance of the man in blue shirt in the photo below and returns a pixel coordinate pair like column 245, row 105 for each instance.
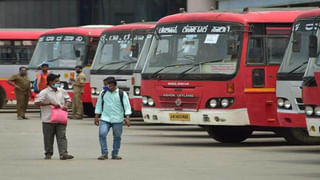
column 110, row 111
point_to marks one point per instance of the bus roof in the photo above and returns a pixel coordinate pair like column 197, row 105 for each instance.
column 130, row 27
column 284, row 16
column 28, row 34
column 313, row 13
column 85, row 31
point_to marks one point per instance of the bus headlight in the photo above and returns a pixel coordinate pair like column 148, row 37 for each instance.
column 70, row 86
column 137, row 91
column 224, row 102
column 287, row 104
column 62, row 85
column 150, row 102
column 213, row 103
column 280, row 102
column 145, row 100
column 317, row 111
column 309, row 110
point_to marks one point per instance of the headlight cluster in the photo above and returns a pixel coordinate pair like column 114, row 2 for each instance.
column 31, row 84
column 284, row 103
column 137, row 91
column 66, row 86
column 94, row 91
column 147, row 101
column 312, row 110
column 220, row 102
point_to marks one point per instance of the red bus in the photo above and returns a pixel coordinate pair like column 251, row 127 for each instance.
column 117, row 56
column 16, row 48
column 63, row 49
column 291, row 109
column 218, row 70
column 311, row 79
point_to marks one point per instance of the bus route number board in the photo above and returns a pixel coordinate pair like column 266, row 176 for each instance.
column 179, row 116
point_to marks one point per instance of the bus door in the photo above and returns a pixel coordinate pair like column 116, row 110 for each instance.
column 266, row 48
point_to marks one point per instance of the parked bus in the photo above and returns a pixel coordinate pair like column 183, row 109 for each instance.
column 136, row 81
column 117, row 56
column 311, row 79
column 16, row 48
column 289, row 81
column 217, row 70
column 63, row 49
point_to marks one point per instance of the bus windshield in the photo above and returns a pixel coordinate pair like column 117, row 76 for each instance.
column 114, row 51
column 60, row 51
column 297, row 54
column 313, row 63
column 17, row 52
column 198, row 48
column 144, row 53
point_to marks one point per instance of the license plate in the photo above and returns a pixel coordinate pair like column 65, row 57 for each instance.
column 179, row 116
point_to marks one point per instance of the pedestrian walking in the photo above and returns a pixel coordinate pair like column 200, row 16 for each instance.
column 112, row 105
column 78, row 88
column 42, row 76
column 48, row 99
column 22, row 91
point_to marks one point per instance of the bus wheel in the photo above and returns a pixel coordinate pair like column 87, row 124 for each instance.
column 299, row 136
column 88, row 109
column 229, row 134
column 3, row 99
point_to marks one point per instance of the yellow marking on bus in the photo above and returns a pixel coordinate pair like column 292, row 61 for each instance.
column 2, row 79
column 271, row 119
column 260, row 90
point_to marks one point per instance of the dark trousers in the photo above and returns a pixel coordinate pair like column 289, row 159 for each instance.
column 51, row 130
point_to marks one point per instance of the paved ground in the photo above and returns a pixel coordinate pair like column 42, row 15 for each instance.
column 151, row 152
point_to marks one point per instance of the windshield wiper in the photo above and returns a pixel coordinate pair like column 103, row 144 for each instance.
column 116, row 62
column 171, row 65
column 198, row 64
column 54, row 59
column 298, row 67
column 124, row 65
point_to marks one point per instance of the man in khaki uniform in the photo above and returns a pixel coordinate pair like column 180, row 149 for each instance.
column 78, row 88
column 22, row 91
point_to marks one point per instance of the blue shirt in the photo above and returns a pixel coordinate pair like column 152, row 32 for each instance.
column 112, row 109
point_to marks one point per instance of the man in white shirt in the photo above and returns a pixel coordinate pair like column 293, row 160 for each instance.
column 51, row 96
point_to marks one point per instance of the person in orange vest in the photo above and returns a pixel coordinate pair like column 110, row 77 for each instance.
column 42, row 76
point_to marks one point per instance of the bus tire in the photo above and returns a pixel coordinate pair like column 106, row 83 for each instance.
column 3, row 99
column 299, row 136
column 229, row 134
column 88, row 109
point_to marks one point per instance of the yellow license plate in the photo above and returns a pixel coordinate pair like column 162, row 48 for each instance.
column 179, row 116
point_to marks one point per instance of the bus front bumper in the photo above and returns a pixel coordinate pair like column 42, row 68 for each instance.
column 313, row 125
column 231, row 117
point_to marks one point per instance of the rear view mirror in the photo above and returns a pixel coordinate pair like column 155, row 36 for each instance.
column 135, row 50
column 232, row 48
column 296, row 46
column 313, row 46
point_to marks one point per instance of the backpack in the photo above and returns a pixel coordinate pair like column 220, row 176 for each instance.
column 121, row 99
column 34, row 86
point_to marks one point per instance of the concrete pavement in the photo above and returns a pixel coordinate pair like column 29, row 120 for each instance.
column 151, row 152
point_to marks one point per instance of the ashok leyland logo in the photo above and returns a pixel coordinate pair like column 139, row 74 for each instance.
column 178, row 102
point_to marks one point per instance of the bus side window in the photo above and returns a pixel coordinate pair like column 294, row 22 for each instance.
column 255, row 51
column 276, row 48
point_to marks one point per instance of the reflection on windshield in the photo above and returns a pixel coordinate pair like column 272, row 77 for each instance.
column 144, row 52
column 61, row 54
column 114, row 52
column 206, row 53
column 296, row 61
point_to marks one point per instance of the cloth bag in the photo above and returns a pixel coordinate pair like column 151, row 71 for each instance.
column 58, row 115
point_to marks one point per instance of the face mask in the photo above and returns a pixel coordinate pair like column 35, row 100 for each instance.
column 106, row 88
column 23, row 73
column 57, row 85
column 78, row 72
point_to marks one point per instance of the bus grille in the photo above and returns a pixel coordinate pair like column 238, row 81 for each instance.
column 300, row 104
column 186, row 102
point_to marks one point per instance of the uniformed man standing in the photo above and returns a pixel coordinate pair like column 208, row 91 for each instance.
column 78, row 88
column 22, row 91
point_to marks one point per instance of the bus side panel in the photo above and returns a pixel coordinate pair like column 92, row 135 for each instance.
column 9, row 90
